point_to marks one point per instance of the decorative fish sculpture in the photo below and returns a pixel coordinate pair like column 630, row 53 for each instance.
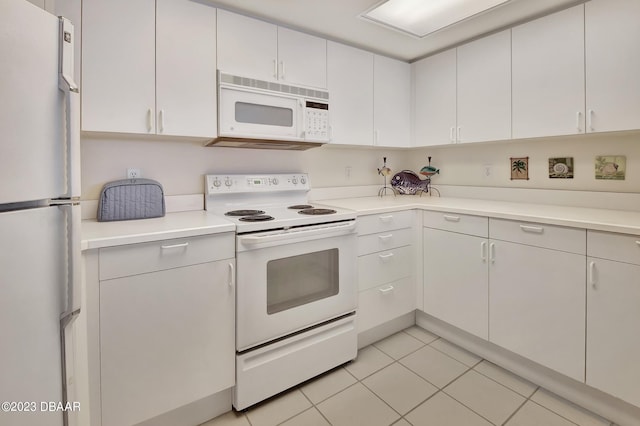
column 429, row 171
column 408, row 183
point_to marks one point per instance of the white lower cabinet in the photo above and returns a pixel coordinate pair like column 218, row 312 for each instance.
column 455, row 271
column 166, row 331
column 613, row 314
column 537, row 294
column 385, row 268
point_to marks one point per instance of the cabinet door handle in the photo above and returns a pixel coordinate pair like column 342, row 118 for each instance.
column 376, row 137
column 149, row 120
column 590, row 119
column 592, row 274
column 232, row 275
column 282, row 74
column 450, row 218
column 275, row 69
column 451, row 135
column 174, row 246
column 386, row 290
column 161, row 121
column 385, row 257
column 532, row 229
column 458, row 140
column 386, row 218
column 384, row 238
column 483, row 251
column 578, row 114
column 492, row 252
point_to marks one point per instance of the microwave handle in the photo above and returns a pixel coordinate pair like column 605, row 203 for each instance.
column 303, row 122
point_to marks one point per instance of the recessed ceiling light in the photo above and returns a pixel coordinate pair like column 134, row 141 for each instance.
column 422, row 17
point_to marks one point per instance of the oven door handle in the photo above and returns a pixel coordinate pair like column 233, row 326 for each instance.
column 296, row 233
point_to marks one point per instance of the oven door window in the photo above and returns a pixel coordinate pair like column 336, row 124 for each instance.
column 298, row 280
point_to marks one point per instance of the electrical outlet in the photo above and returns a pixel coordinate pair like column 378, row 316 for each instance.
column 347, row 172
column 487, row 170
column 133, row 173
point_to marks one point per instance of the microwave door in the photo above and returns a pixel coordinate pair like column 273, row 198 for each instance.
column 246, row 114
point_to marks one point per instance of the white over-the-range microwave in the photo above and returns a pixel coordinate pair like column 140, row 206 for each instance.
column 261, row 114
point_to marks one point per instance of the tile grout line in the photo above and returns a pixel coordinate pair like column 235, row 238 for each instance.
column 520, row 407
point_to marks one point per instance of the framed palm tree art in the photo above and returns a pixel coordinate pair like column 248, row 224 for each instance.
column 519, row 168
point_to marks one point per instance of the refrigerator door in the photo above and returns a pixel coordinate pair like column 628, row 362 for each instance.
column 32, row 111
column 33, row 274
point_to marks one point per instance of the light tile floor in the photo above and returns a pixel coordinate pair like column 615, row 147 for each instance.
column 414, row 378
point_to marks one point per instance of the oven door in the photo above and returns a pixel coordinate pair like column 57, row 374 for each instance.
column 293, row 279
column 253, row 114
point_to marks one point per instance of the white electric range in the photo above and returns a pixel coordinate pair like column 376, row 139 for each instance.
column 296, row 281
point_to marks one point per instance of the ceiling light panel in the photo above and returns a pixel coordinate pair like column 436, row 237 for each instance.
column 422, row 17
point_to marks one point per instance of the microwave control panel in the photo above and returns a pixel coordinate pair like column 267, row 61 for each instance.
column 316, row 115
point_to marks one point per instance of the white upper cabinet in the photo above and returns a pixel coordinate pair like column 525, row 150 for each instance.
column 548, row 75
column 350, row 84
column 392, row 102
column 252, row 48
column 185, row 69
column 247, row 47
column 302, row 58
column 118, row 96
column 137, row 74
column 484, row 89
column 612, row 31
column 434, row 114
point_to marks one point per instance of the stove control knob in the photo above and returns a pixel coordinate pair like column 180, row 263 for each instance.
column 294, row 181
column 227, row 182
column 303, row 180
column 274, row 181
column 217, row 182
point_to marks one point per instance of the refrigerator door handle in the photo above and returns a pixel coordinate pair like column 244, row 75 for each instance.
column 72, row 112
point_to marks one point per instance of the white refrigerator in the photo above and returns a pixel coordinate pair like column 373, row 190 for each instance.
column 39, row 212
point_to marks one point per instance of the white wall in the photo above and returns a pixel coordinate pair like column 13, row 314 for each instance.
column 180, row 166
column 465, row 164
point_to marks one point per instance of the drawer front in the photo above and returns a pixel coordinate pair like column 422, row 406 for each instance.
column 620, row 247
column 141, row 258
column 461, row 223
column 384, row 241
column 572, row 240
column 371, row 224
column 379, row 268
column 384, row 303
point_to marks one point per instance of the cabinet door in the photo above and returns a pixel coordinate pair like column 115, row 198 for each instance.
column 612, row 64
column 247, row 47
column 613, row 319
column 302, row 58
column 537, row 305
column 118, row 66
column 186, row 68
column 166, row 340
column 456, row 280
column 548, row 75
column 435, row 99
column 350, row 83
column 484, row 89
column 391, row 102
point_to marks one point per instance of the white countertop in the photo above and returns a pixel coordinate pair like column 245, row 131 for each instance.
column 173, row 225
column 621, row 221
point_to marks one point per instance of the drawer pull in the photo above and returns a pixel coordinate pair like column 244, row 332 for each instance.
column 532, row 229
column 232, row 275
column 492, row 252
column 386, row 290
column 483, row 251
column 450, row 218
column 384, row 238
column 386, row 218
column 174, row 246
column 385, row 257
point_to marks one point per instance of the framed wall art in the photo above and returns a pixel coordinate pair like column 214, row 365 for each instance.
column 519, row 168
